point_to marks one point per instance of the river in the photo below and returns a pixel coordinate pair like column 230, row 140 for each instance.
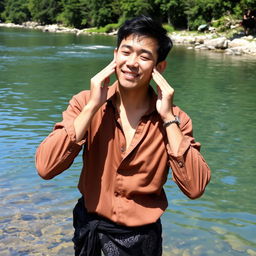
column 39, row 73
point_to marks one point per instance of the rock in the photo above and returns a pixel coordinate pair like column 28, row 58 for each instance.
column 212, row 29
column 198, row 47
column 30, row 24
column 219, row 230
column 113, row 33
column 211, row 47
column 50, row 28
column 238, row 42
column 235, row 243
column 218, row 43
column 229, row 52
column 251, row 252
column 200, row 39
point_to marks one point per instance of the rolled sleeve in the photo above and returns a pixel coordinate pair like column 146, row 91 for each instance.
column 189, row 169
column 58, row 151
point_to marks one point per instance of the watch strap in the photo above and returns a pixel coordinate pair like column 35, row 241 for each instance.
column 175, row 121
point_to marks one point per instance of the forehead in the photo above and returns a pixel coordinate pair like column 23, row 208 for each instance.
column 140, row 41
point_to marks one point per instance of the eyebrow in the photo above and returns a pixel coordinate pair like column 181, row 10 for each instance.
column 141, row 51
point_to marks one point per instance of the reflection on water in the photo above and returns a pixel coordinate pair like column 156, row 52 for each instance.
column 40, row 72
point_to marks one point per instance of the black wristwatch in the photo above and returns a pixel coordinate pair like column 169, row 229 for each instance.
column 176, row 121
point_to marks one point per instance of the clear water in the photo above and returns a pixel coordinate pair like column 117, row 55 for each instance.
column 39, row 72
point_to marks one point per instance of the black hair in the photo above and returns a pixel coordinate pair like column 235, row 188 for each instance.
column 146, row 26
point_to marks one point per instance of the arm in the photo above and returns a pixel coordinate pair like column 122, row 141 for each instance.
column 57, row 152
column 98, row 96
column 190, row 170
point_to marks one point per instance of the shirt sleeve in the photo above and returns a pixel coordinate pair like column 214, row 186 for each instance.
column 189, row 169
column 58, row 151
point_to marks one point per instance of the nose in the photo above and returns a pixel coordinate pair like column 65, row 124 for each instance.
column 132, row 61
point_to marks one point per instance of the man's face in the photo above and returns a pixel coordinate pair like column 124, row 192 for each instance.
column 135, row 59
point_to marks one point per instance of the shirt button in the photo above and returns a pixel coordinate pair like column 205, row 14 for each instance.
column 180, row 163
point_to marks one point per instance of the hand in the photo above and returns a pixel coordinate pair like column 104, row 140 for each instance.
column 165, row 96
column 99, row 85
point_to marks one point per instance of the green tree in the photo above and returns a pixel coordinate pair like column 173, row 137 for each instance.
column 44, row 11
column 74, row 13
column 103, row 12
column 16, row 11
column 2, row 4
column 242, row 5
column 173, row 11
column 132, row 8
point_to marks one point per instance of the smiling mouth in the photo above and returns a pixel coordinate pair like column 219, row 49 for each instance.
column 130, row 75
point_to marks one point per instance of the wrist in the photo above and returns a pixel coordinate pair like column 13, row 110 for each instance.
column 173, row 120
column 168, row 117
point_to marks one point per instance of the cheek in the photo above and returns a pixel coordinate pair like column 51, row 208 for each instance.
column 120, row 58
column 148, row 68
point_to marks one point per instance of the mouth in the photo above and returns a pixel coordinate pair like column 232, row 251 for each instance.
column 130, row 75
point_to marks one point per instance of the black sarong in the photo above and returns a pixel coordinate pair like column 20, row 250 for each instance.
column 94, row 234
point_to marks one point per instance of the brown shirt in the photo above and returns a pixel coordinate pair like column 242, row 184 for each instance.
column 124, row 186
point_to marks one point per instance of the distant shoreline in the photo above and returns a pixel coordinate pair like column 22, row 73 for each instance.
column 243, row 45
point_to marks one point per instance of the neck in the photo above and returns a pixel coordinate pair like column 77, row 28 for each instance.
column 132, row 99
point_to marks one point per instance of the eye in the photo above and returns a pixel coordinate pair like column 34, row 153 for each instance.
column 145, row 57
column 125, row 52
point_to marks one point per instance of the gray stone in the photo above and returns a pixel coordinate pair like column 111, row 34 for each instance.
column 238, row 42
column 218, row 43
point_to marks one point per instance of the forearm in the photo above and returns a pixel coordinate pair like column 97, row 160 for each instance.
column 83, row 120
column 190, row 171
column 174, row 136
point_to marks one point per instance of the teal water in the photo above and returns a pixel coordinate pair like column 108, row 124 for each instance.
column 39, row 72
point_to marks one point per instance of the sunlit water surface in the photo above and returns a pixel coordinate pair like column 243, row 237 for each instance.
column 39, row 72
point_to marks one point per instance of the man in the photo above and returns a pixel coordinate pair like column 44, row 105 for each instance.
column 131, row 136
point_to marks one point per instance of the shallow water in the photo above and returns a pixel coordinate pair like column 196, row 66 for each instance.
column 39, row 72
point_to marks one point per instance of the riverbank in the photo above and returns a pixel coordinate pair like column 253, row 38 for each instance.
column 237, row 45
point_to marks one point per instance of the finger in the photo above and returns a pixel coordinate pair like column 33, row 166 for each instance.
column 105, row 73
column 110, row 69
column 106, row 82
column 157, row 77
column 161, row 81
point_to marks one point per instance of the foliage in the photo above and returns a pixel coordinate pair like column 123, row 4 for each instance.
column 15, row 11
column 74, row 13
column 106, row 29
column 169, row 28
column 131, row 8
column 44, row 11
column 90, row 13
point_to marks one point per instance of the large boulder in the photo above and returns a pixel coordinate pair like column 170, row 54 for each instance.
column 238, row 42
column 217, row 43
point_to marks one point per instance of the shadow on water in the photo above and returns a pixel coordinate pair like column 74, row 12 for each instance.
column 39, row 74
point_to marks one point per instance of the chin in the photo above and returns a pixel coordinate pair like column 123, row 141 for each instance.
column 128, row 84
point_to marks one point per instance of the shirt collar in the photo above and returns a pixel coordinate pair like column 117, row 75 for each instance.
column 112, row 93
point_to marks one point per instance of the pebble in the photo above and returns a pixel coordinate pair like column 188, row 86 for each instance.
column 251, row 252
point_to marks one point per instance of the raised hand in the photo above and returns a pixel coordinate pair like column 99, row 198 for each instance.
column 98, row 96
column 165, row 96
column 99, row 85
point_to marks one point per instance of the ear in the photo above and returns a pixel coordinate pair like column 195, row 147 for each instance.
column 160, row 67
